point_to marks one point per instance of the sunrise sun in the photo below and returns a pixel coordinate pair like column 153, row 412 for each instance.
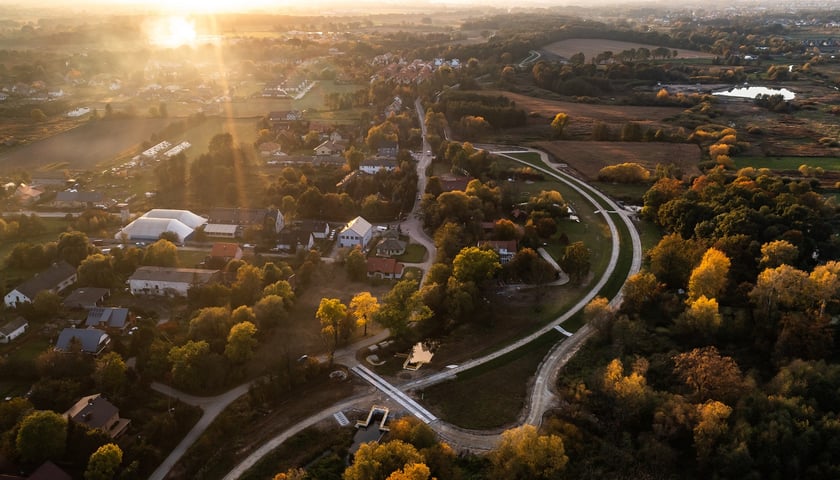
column 172, row 32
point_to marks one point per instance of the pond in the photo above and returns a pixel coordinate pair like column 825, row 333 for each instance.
column 752, row 92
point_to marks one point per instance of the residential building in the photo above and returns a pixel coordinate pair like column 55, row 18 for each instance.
column 55, row 279
column 28, row 194
column 76, row 199
column 384, row 268
column 85, row 298
column 88, row 340
column 390, row 247
column 505, row 248
column 94, row 411
column 357, row 232
column 112, row 319
column 387, row 148
column 49, row 471
column 13, row 329
column 225, row 252
column 168, row 281
column 375, row 164
column 329, row 147
column 242, row 218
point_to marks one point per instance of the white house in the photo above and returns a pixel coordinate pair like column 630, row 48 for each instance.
column 54, row 279
column 375, row 164
column 357, row 232
column 13, row 329
column 167, row 281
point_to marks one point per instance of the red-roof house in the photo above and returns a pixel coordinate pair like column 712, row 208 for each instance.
column 386, row 268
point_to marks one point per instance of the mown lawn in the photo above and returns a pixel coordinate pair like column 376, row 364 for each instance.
column 414, row 253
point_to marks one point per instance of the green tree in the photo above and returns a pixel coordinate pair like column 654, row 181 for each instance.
column 211, row 324
column 38, row 115
column 12, row 411
column 241, row 342
column 364, row 306
column 97, row 270
column 186, row 362
column 42, row 436
column 701, row 318
column 270, row 311
column 248, row 286
column 524, row 454
column 162, row 253
column 73, row 247
column 282, row 289
column 109, row 374
column 332, row 314
column 673, row 258
column 576, row 260
column 356, row 264
column 475, row 265
column 402, row 306
column 171, row 236
column 558, row 124
column 104, row 462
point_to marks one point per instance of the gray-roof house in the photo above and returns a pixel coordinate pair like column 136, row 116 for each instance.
column 94, row 411
column 167, row 281
column 76, row 199
column 357, row 232
column 54, row 279
column 91, row 340
column 13, row 329
column 112, row 318
column 87, row 297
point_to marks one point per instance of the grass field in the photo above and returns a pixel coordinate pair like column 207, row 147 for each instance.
column 414, row 253
column 591, row 47
column 85, row 147
column 788, row 163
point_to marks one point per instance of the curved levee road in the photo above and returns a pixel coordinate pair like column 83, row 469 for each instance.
column 542, row 396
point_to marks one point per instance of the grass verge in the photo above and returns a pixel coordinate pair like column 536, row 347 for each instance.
column 491, row 395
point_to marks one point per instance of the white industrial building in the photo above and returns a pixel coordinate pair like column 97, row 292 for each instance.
column 153, row 223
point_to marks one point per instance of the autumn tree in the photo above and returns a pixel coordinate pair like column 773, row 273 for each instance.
column 709, row 278
column 377, row 461
column 524, row 454
column 241, row 342
column 777, row 253
column 212, row 325
column 709, row 374
column 599, row 314
column 673, row 258
column 104, row 462
column 558, row 124
column 333, row 316
column 42, row 436
column 364, row 306
column 701, row 318
column 576, row 260
column 711, row 426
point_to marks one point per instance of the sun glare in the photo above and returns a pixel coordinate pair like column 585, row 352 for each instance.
column 172, row 32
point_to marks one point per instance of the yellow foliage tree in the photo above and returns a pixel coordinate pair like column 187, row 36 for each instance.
column 710, row 276
column 711, row 425
column 524, row 453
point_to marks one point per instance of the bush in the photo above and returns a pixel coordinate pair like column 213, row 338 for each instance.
column 624, row 173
